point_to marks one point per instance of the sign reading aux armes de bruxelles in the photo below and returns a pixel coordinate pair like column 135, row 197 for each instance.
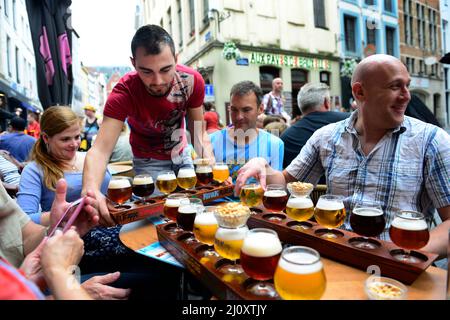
column 282, row 60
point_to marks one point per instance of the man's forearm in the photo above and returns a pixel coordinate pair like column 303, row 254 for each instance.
column 439, row 240
column 94, row 170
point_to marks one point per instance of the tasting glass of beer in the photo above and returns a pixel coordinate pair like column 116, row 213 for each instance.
column 260, row 253
column 251, row 195
column 119, row 190
column 330, row 213
column 409, row 231
column 275, row 197
column 204, row 174
column 367, row 220
column 205, row 227
column 171, row 205
column 299, row 274
column 300, row 208
column 143, row 186
column 187, row 212
column 220, row 172
column 186, row 178
column 166, row 181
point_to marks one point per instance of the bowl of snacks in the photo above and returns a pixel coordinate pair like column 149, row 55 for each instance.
column 300, row 189
column 232, row 214
column 382, row 288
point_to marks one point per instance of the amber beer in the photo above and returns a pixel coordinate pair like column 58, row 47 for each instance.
column 251, row 195
column 275, row 200
column 186, row 178
column 143, row 186
column 228, row 242
column 172, row 204
column 205, row 227
column 299, row 274
column 329, row 213
column 186, row 216
column 411, row 234
column 220, row 172
column 368, row 222
column 260, row 253
column 166, row 182
column 204, row 175
column 300, row 208
column 119, row 190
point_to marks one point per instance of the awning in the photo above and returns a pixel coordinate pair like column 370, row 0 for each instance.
column 29, row 107
column 11, row 93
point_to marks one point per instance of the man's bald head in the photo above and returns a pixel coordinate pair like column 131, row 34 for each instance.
column 277, row 85
column 368, row 65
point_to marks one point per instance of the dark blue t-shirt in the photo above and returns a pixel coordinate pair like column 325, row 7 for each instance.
column 18, row 144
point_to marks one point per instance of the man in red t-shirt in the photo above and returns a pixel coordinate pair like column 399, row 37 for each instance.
column 154, row 100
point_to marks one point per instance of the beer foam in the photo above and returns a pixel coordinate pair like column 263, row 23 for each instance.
column 410, row 225
column 220, row 167
column 203, row 169
column 329, row 205
column 257, row 187
column 142, row 180
column 186, row 173
column 297, row 263
column 231, row 234
column 167, row 177
column 119, row 184
column 187, row 209
column 368, row 212
column 300, row 203
column 275, row 193
column 261, row 244
column 173, row 202
column 206, row 219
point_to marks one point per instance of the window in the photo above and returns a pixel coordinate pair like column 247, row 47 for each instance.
column 350, row 35
column 388, row 6
column 369, row 2
column 180, row 24
column 408, row 22
column 205, row 12
column 169, row 19
column 432, row 29
column 371, row 35
column 17, row 65
column 299, row 78
column 421, row 67
column 319, row 14
column 325, row 77
column 14, row 14
column 420, row 25
column 191, row 18
column 5, row 6
column 390, row 40
column 266, row 75
column 410, row 65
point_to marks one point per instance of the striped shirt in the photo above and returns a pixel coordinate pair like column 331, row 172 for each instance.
column 408, row 169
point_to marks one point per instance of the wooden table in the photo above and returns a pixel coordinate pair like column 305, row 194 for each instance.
column 343, row 282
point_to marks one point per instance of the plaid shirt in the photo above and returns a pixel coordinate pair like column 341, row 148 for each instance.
column 408, row 169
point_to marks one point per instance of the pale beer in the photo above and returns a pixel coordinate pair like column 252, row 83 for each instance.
column 300, row 208
column 251, row 195
column 166, row 183
column 186, row 178
column 300, row 275
column 329, row 213
column 205, row 227
column 119, row 190
column 220, row 172
column 228, row 242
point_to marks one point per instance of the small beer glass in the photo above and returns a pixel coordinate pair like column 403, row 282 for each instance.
column 330, row 213
column 166, row 182
column 367, row 220
column 119, row 190
column 143, row 186
column 275, row 197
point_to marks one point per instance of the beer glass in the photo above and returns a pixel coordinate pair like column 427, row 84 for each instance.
column 166, row 181
column 220, row 172
column 186, row 178
column 204, row 174
column 119, row 190
column 260, row 253
column 330, row 213
column 187, row 211
column 299, row 274
column 367, row 220
column 143, row 186
column 251, row 194
column 171, row 205
column 409, row 231
column 275, row 197
column 205, row 227
column 300, row 208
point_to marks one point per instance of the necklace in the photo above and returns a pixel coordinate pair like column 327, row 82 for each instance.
column 73, row 164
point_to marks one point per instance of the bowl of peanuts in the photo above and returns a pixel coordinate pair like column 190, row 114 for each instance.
column 300, row 189
column 232, row 214
column 382, row 288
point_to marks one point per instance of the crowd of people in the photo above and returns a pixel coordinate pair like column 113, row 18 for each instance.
column 374, row 153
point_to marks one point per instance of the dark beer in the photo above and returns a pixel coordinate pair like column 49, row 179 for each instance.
column 143, row 186
column 409, row 234
column 260, row 254
column 119, row 190
column 275, row 200
column 186, row 216
column 367, row 222
column 204, row 175
column 172, row 204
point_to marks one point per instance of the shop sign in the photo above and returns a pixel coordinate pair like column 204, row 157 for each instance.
column 282, row 60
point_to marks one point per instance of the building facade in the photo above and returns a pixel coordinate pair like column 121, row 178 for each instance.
column 273, row 39
column 366, row 27
column 421, row 49
column 17, row 63
column 445, row 20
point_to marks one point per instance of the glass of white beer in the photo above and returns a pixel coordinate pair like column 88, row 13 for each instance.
column 330, row 213
column 220, row 172
column 186, row 179
column 300, row 208
column 119, row 190
column 166, row 182
column 251, row 194
column 260, row 253
column 205, row 227
column 299, row 274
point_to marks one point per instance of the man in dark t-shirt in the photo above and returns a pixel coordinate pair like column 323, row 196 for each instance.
column 314, row 102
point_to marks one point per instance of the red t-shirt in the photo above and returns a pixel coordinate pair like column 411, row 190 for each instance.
column 153, row 120
column 34, row 129
column 212, row 121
